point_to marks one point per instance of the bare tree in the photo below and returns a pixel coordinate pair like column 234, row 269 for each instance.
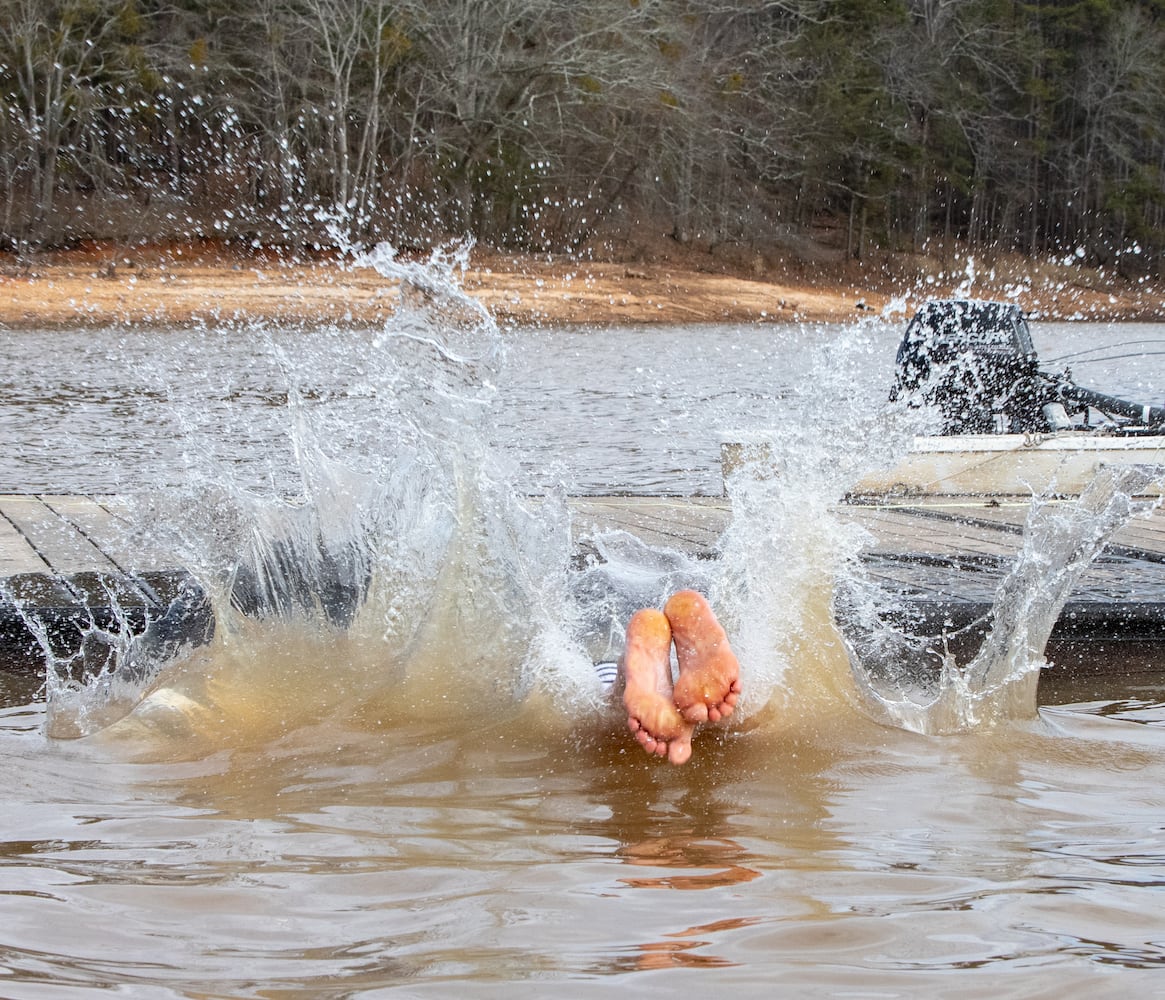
column 60, row 60
column 355, row 47
column 1121, row 97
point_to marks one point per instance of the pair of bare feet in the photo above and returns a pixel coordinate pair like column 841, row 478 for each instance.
column 662, row 717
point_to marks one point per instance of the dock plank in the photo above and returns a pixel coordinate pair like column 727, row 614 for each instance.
column 904, row 530
column 1143, row 536
column 73, row 576
column 693, row 526
column 69, row 534
column 17, row 556
column 104, row 524
column 1144, row 532
column 66, row 550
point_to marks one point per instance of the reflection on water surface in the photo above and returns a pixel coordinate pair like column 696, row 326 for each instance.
column 819, row 854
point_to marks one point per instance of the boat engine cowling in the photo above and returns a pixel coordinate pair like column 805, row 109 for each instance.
column 975, row 364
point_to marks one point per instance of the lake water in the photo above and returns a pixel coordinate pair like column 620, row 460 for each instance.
column 638, row 410
column 403, row 808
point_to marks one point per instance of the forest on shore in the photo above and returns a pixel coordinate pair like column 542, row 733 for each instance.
column 555, row 126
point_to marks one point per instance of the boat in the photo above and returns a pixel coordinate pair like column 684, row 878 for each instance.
column 1005, row 425
column 1002, row 424
column 1060, row 463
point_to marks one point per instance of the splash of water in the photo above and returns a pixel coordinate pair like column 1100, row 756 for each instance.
column 402, row 575
column 934, row 685
column 784, row 548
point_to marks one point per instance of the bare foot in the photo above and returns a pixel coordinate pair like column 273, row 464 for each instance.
column 647, row 694
column 709, row 681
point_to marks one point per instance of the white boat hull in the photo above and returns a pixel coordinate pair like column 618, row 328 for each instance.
column 1009, row 464
column 986, row 464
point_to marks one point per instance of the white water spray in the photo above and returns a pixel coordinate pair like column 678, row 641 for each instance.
column 403, row 576
column 919, row 683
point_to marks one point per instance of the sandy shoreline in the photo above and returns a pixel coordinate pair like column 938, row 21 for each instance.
column 182, row 286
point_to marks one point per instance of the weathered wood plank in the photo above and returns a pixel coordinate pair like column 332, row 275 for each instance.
column 80, row 580
column 16, row 552
column 1141, row 537
column 76, row 557
column 103, row 523
column 62, row 546
column 693, row 526
column 70, row 534
column 97, row 524
column 1147, row 533
column 889, row 540
column 1143, row 532
column 901, row 530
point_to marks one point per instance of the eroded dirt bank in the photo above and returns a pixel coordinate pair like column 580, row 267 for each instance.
column 203, row 283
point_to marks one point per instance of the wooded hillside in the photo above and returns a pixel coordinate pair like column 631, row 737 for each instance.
column 554, row 124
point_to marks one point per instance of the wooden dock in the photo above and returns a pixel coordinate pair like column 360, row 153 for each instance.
column 70, row 569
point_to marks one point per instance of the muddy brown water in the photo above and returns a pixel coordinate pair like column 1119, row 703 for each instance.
column 819, row 856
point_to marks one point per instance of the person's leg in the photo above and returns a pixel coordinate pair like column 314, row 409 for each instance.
column 709, row 681
column 647, row 690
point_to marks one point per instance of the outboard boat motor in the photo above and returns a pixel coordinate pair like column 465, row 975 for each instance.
column 974, row 362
